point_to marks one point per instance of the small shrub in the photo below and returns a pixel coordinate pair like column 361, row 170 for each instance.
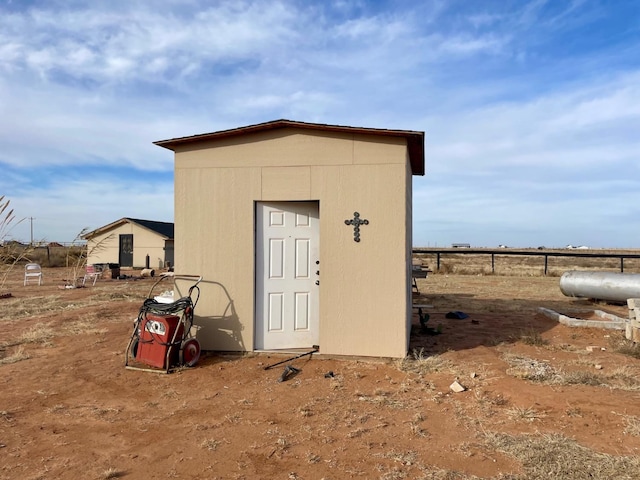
column 534, row 338
column 626, row 347
column 112, row 473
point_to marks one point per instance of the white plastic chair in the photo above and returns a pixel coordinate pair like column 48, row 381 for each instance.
column 91, row 272
column 32, row 271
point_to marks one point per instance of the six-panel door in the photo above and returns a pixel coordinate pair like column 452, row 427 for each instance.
column 287, row 275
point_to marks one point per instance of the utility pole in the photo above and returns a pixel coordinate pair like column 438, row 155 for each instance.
column 31, row 219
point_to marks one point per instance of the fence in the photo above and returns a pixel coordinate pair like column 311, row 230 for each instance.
column 442, row 252
column 48, row 255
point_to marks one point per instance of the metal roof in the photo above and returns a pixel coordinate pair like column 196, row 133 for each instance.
column 164, row 229
column 415, row 139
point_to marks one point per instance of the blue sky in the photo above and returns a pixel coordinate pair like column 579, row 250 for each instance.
column 531, row 109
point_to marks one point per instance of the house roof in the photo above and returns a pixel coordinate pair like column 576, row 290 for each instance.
column 164, row 229
column 415, row 140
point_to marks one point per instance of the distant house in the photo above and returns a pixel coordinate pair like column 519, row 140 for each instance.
column 129, row 241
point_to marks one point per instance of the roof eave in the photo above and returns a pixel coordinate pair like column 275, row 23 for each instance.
column 415, row 139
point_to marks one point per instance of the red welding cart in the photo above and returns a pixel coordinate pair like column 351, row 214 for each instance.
column 162, row 336
column 157, row 333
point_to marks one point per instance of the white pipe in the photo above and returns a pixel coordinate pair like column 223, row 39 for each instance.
column 616, row 287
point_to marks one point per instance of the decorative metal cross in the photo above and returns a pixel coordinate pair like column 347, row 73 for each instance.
column 356, row 222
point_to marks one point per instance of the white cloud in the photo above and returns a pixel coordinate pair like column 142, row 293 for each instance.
column 517, row 101
column 62, row 210
column 569, row 128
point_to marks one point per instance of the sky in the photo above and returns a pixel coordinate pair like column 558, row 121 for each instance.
column 531, row 109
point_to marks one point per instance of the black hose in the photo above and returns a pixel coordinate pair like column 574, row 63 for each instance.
column 184, row 306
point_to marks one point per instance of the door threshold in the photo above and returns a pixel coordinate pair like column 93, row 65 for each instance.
column 286, row 351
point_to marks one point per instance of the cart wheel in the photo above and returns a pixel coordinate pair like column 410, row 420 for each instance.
column 189, row 352
column 134, row 348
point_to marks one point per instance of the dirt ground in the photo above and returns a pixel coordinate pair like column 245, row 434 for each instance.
column 541, row 400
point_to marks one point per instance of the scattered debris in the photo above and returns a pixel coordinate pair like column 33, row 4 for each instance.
column 457, row 387
column 316, row 348
column 147, row 272
column 289, row 372
column 457, row 314
column 329, row 374
column 598, row 367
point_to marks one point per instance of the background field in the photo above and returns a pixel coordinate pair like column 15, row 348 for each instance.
column 455, row 260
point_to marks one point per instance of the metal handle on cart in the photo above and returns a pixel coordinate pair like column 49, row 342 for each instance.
column 164, row 276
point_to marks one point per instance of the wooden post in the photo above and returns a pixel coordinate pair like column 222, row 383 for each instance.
column 633, row 326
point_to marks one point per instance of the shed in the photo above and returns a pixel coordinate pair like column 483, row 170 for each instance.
column 129, row 241
column 303, row 234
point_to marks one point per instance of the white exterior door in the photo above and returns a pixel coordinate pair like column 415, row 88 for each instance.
column 287, row 275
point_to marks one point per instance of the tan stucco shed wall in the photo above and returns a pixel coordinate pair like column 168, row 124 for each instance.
column 105, row 247
column 365, row 287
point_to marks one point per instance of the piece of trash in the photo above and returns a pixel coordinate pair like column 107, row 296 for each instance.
column 456, row 387
column 457, row 314
column 289, row 371
column 598, row 367
column 329, row 374
column 474, row 375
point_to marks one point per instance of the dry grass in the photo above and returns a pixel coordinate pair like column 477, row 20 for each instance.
column 88, row 325
column 534, row 370
column 530, row 369
column 632, row 425
column 384, row 398
column 210, row 444
column 558, row 457
column 421, row 364
column 489, row 399
column 528, row 414
column 619, row 344
column 17, row 356
column 532, row 337
column 40, row 333
column 112, row 473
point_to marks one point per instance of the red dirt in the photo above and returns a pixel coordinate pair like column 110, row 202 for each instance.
column 73, row 411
